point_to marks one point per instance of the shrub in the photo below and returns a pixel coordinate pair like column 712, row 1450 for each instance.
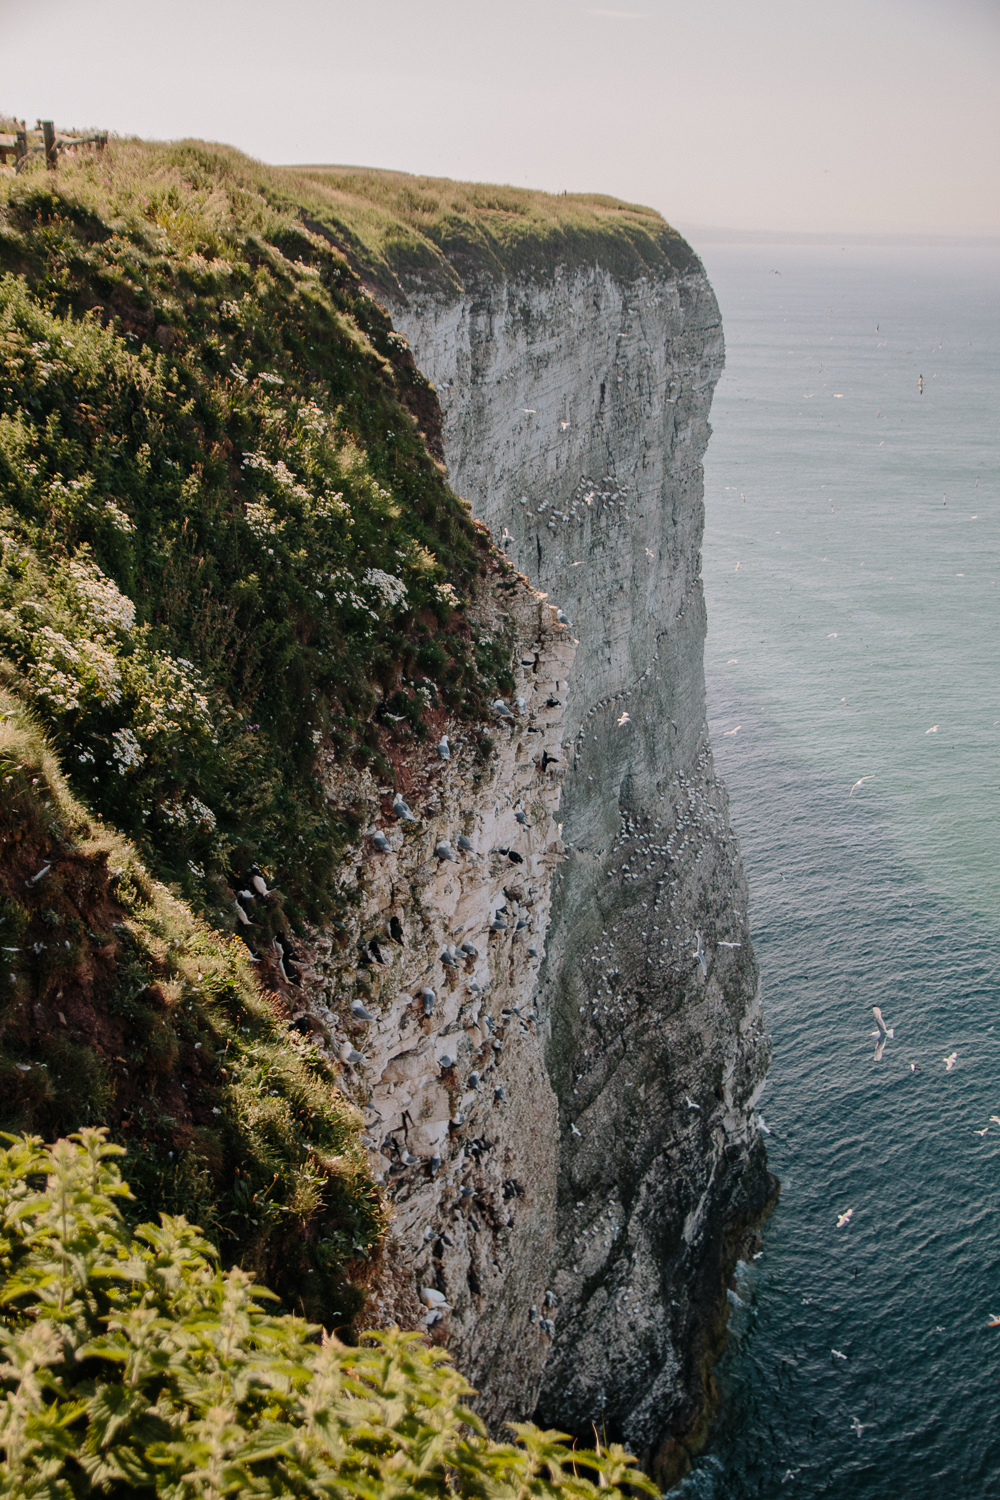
column 135, row 1367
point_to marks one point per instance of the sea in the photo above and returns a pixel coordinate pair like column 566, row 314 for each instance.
column 852, row 572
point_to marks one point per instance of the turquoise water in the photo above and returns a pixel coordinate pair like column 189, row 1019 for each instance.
column 852, row 572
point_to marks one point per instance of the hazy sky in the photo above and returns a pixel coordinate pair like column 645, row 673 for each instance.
column 843, row 115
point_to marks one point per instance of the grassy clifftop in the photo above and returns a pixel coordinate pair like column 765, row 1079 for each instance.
column 438, row 233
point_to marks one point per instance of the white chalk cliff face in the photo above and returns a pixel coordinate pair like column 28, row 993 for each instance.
column 575, row 421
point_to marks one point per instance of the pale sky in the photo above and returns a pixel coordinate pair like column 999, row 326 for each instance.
column 852, row 116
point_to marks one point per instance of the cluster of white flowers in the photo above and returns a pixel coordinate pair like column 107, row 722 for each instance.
column 182, row 815
column 101, row 597
column 262, row 521
column 329, row 506
column 125, row 751
column 391, row 590
column 270, row 379
column 119, row 520
column 64, row 670
column 279, row 471
column 178, row 705
column 447, row 594
column 313, row 419
column 344, row 593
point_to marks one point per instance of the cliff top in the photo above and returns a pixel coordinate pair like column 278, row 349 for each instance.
column 434, row 234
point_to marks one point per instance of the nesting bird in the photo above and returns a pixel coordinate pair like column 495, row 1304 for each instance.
column 522, row 818
column 381, row 843
column 351, row 1055
column 428, row 998
column 258, row 882
column 241, row 914
column 444, row 749
column 464, row 844
column 401, row 810
column 449, row 960
column 446, row 1061
column 359, row 1012
column 501, row 710
column 443, row 850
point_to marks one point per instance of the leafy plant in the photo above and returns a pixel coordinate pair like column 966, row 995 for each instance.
column 135, row 1367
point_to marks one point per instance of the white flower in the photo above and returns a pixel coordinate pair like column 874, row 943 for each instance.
column 125, row 751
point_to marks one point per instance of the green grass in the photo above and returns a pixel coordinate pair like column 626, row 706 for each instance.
column 443, row 234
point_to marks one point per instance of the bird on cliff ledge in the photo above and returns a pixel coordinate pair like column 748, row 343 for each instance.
column 699, row 954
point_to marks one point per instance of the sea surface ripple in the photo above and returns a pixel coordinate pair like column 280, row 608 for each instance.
column 851, row 564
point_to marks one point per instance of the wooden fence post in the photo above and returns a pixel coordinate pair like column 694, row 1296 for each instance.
column 49, row 140
column 20, row 150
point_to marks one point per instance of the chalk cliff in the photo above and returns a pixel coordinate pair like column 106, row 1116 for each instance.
column 607, row 1193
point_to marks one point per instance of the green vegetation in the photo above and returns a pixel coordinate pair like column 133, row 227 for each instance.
column 119, row 1007
column 134, row 1367
column 225, row 544
column 441, row 234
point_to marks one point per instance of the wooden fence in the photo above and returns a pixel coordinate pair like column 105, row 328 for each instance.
column 24, row 144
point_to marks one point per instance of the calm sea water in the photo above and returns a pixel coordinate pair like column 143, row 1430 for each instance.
column 852, row 569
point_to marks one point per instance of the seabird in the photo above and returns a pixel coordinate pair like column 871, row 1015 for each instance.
column 522, row 818
column 883, row 1033
column 408, row 1160
column 444, row 749
column 859, row 1427
column 443, row 850
column 950, row 1061
column 547, row 1326
column 699, row 954
column 428, row 997
column 349, row 1054
column 860, row 782
column 396, row 930
column 36, row 878
column 464, row 844
column 691, row 1104
column 381, row 843
column 551, row 1300
column 501, row 710
column 258, row 883
column 401, row 810
column 532, row 1314
column 730, row 945
column 470, row 950
column 498, row 925
column 446, row 1061
column 241, row 914
column 574, row 1130
column 626, row 718
column 837, row 1354
column 472, row 1081
column 561, row 617
column 449, row 961
column 846, row 1218
column 359, row 1012
column 499, row 1097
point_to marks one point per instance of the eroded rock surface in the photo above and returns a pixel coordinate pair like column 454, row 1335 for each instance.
column 575, row 421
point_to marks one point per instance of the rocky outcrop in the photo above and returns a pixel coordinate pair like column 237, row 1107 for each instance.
column 425, row 994
column 560, row 1042
column 575, row 420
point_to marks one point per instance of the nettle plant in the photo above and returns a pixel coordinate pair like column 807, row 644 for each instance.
column 133, row 1366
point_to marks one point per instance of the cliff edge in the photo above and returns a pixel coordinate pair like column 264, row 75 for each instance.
column 575, row 367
